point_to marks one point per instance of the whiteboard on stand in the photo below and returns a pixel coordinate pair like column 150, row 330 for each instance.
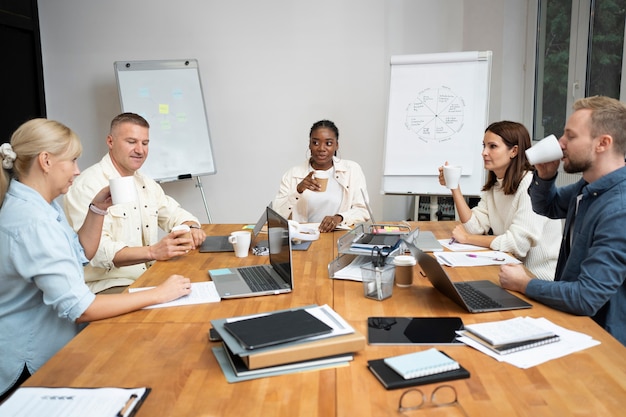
column 438, row 112
column 168, row 94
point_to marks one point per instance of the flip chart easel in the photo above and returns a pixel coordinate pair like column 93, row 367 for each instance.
column 438, row 111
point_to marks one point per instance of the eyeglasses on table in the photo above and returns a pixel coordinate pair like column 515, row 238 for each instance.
column 414, row 400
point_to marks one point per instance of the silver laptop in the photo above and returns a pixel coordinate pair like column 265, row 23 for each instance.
column 251, row 281
column 221, row 243
column 474, row 296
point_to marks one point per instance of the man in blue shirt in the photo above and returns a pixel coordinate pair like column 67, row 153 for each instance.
column 590, row 272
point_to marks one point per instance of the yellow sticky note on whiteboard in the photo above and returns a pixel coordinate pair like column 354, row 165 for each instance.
column 164, row 108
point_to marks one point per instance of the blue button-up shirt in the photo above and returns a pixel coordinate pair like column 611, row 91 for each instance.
column 42, row 288
column 591, row 268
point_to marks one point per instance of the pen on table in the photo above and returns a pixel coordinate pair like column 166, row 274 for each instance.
column 126, row 407
column 473, row 255
column 452, row 240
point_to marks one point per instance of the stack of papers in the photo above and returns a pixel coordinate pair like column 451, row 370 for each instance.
column 352, row 271
column 568, row 342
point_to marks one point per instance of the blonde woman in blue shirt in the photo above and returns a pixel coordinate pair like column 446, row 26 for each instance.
column 43, row 295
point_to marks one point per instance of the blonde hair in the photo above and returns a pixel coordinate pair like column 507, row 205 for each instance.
column 608, row 117
column 34, row 137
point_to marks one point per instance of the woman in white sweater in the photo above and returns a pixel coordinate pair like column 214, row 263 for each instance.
column 504, row 219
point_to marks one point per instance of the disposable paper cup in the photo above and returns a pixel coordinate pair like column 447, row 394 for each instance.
column 241, row 243
column 123, row 190
column 322, row 178
column 187, row 229
column 452, row 175
column 546, row 150
column 404, row 270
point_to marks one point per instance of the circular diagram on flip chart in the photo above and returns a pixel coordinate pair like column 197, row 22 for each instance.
column 436, row 114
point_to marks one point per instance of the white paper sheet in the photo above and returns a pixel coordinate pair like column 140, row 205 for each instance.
column 459, row 247
column 71, row 402
column 201, row 293
column 480, row 258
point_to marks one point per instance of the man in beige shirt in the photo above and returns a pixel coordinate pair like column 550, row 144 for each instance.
column 129, row 243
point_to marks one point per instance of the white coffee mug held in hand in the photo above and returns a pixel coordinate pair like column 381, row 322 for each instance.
column 123, row 189
column 241, row 243
column 452, row 175
column 546, row 150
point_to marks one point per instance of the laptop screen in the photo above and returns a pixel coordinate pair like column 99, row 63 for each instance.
column 279, row 244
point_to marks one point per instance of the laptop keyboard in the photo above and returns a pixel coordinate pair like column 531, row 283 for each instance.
column 258, row 280
column 474, row 298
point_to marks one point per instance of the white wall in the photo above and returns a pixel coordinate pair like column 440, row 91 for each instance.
column 269, row 70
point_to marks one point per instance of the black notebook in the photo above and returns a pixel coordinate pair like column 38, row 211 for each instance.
column 276, row 328
column 393, row 380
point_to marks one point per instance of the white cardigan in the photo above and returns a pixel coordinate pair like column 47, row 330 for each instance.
column 532, row 238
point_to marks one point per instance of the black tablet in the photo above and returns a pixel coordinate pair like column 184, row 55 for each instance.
column 413, row 330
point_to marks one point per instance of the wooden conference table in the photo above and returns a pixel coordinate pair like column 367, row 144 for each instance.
column 168, row 350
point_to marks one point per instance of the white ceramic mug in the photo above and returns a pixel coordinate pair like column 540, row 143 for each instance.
column 452, row 175
column 123, row 189
column 241, row 243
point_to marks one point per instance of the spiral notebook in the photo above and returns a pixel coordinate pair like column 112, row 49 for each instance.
column 390, row 379
column 424, row 363
column 511, row 335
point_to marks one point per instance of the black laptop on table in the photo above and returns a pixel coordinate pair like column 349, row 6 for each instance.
column 251, row 281
column 474, row 296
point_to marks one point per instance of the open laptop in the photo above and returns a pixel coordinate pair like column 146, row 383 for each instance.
column 251, row 281
column 474, row 296
column 221, row 243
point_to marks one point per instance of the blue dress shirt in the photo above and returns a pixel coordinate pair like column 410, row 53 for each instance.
column 591, row 268
column 42, row 288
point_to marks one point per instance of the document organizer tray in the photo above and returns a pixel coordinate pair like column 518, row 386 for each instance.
column 345, row 242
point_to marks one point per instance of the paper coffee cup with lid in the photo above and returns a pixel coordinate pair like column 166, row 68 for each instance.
column 404, row 270
column 322, row 178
